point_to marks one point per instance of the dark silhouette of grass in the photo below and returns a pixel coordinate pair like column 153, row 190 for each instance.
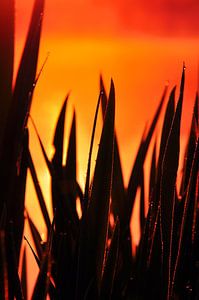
column 87, row 257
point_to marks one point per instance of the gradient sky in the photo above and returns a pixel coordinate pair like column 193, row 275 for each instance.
column 162, row 17
column 140, row 44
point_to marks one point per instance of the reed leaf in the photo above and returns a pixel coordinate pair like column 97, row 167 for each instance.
column 6, row 62
column 24, row 276
column 167, row 192
column 139, row 161
column 94, row 226
column 111, row 265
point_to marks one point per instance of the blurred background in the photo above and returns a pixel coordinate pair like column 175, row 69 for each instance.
column 140, row 44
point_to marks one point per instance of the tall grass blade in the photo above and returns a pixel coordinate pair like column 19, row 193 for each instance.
column 15, row 289
column 43, row 280
column 59, row 139
column 33, row 252
column 48, row 162
column 139, row 161
column 190, row 149
column 39, row 192
column 142, row 202
column 94, row 227
column 188, row 216
column 154, row 212
column 24, row 276
column 17, row 208
column 22, row 94
column 167, row 192
column 152, row 177
column 118, row 190
column 36, row 238
column 6, row 61
column 104, row 98
column 87, row 184
column 70, row 181
column 111, row 265
column 4, row 289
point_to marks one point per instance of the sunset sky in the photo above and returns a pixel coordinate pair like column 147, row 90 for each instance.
column 140, row 44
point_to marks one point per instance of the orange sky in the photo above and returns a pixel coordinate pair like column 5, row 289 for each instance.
column 140, row 44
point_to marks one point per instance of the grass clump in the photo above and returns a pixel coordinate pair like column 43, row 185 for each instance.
column 88, row 257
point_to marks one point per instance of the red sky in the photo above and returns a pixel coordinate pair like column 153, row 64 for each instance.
column 140, row 44
column 162, row 17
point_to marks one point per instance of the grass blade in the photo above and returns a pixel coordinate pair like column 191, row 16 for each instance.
column 152, row 178
column 142, row 202
column 167, row 191
column 59, row 139
column 188, row 214
column 39, row 192
column 43, row 280
column 70, row 171
column 87, row 185
column 118, row 190
column 111, row 265
column 24, row 276
column 36, row 238
column 139, row 161
column 94, row 227
column 104, row 98
column 4, row 290
column 6, row 61
column 190, row 149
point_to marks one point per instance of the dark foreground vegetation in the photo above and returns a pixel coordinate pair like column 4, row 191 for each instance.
column 87, row 257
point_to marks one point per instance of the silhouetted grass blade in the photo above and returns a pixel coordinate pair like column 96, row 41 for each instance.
column 17, row 119
column 43, row 280
column 36, row 238
column 20, row 189
column 190, row 149
column 167, row 192
column 65, row 189
column 4, row 290
column 118, row 191
column 87, row 184
column 48, row 162
column 52, row 292
column 24, row 85
column 142, row 202
column 70, row 167
column 153, row 215
column 33, row 252
column 27, row 70
column 70, row 182
column 111, row 265
column 104, row 98
column 15, row 289
column 94, row 227
column 59, row 139
column 39, row 192
column 196, row 108
column 65, row 266
column 169, row 115
column 24, row 276
column 6, row 61
column 152, row 177
column 3, row 217
column 187, row 217
column 139, row 161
